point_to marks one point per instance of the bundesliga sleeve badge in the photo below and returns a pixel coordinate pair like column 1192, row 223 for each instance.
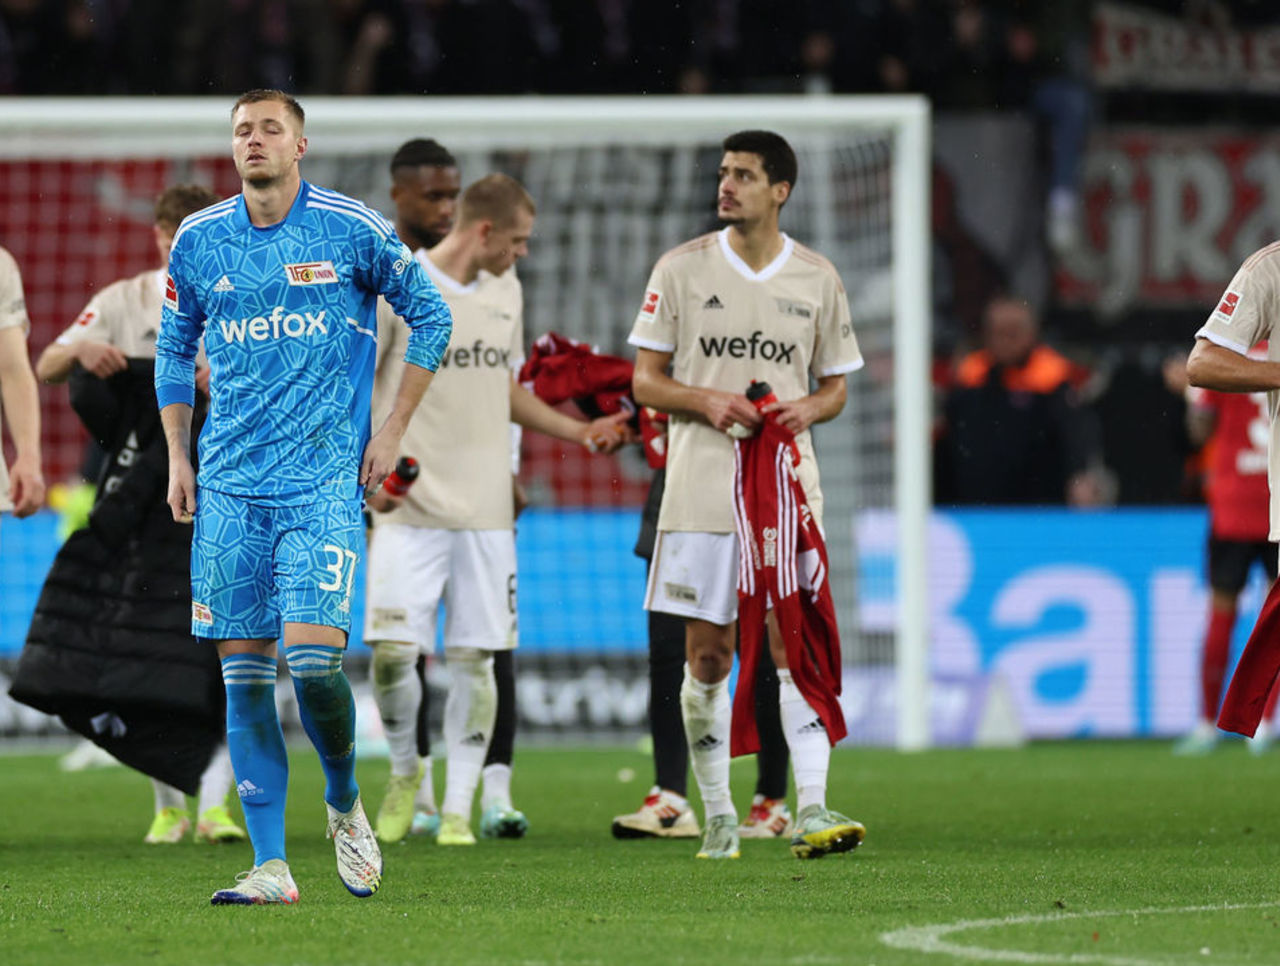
column 652, row 299
column 1227, row 307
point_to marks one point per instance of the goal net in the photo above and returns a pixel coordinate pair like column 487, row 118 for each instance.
column 617, row 182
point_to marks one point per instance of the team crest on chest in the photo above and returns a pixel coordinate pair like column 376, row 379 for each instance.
column 311, row 273
column 796, row 309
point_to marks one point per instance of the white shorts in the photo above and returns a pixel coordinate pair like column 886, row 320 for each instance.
column 412, row 570
column 694, row 575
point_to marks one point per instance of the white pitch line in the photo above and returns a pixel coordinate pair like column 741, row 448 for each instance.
column 930, row 939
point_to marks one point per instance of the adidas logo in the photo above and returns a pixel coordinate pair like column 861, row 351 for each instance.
column 707, row 742
column 247, row 789
column 224, row 285
column 713, row 303
column 814, row 725
column 475, row 738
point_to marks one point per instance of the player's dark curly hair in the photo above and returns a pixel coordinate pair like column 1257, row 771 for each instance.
column 422, row 152
column 776, row 156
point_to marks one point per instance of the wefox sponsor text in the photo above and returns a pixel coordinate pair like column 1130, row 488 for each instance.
column 754, row 347
column 281, row 322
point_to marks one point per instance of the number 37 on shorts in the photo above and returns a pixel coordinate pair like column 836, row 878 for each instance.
column 256, row 567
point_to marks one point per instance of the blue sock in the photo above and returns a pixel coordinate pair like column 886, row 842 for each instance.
column 329, row 716
column 257, row 750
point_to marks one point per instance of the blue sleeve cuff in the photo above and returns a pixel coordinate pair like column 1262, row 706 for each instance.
column 169, row 393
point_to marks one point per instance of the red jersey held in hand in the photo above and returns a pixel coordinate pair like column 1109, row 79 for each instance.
column 783, row 559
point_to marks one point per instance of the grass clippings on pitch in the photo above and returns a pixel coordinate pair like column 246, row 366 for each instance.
column 1086, row 852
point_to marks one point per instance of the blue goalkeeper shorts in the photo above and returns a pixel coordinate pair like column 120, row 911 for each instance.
column 255, row 567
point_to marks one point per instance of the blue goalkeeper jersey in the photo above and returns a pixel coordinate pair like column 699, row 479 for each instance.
column 287, row 314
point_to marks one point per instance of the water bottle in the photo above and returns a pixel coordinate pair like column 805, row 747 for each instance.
column 761, row 395
column 402, row 477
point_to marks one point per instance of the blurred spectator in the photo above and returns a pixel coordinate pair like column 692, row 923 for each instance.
column 1139, row 397
column 444, row 46
column 627, row 46
column 52, row 46
column 1048, row 73
column 972, row 60
column 226, row 46
column 1014, row 431
column 881, row 46
column 966, row 275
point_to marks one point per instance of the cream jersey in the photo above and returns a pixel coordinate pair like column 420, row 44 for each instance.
column 13, row 314
column 460, row 434
column 125, row 314
column 725, row 326
column 1245, row 316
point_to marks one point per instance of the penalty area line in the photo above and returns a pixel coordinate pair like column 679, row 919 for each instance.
column 933, row 938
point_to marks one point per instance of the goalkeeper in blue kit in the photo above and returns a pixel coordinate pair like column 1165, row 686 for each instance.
column 281, row 282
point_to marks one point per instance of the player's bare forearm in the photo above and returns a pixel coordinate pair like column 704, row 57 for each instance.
column 181, row 497
column 21, row 406
column 599, row 435
column 1213, row 367
column 529, row 411
column 54, row 364
column 652, row 387
column 100, row 358
column 824, row 404
column 176, row 420
column 18, row 395
column 384, row 448
column 414, row 381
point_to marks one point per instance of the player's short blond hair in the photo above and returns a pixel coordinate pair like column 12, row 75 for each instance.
column 175, row 203
column 271, row 94
column 495, row 198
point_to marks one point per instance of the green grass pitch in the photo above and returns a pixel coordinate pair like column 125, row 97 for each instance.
column 1107, row 853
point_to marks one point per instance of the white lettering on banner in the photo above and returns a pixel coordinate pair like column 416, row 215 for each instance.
column 260, row 328
column 1138, row 47
column 1169, row 218
column 607, row 699
column 1102, row 649
column 1183, row 239
column 950, row 577
column 1174, row 672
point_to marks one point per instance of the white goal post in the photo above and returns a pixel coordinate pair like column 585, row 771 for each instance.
column 617, row 181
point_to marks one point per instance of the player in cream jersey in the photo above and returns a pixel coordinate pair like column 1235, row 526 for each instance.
column 451, row 538
column 121, row 323
column 1245, row 316
column 471, row 489
column 724, row 326
column 746, row 303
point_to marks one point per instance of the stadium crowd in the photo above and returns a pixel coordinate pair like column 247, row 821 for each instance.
column 965, row 53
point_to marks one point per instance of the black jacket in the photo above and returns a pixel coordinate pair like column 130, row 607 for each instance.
column 110, row 649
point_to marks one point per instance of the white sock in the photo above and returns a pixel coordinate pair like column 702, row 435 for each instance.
column 397, row 692
column 497, row 786
column 810, row 748
column 216, row 782
column 167, row 796
column 469, row 714
column 707, row 716
column 425, row 800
